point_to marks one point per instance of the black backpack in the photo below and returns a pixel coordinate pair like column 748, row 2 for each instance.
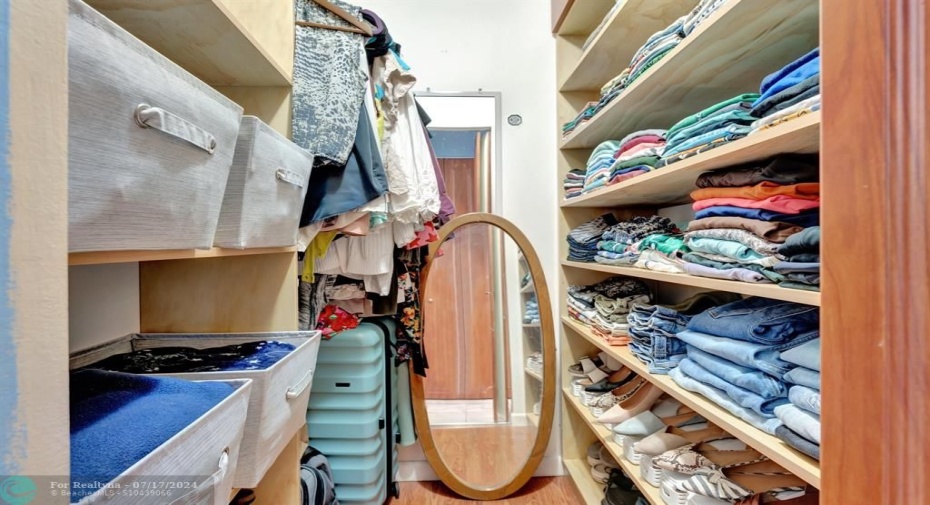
column 316, row 479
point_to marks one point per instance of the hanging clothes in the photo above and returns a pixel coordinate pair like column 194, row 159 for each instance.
column 335, row 190
column 329, row 82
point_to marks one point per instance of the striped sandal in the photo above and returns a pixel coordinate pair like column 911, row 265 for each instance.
column 740, row 482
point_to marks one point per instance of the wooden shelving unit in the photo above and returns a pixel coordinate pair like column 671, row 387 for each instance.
column 580, row 472
column 745, row 288
column 624, row 32
column 799, row 464
column 245, row 50
column 717, row 61
column 222, row 42
column 728, row 54
column 533, row 374
column 606, row 437
column 105, row 257
column 671, row 185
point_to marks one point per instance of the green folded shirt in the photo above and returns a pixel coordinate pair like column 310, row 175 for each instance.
column 694, row 118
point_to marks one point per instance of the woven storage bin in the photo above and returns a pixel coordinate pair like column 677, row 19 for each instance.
column 149, row 145
column 207, row 450
column 278, row 403
column 265, row 191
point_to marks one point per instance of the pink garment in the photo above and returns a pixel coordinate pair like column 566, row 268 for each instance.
column 424, row 237
column 778, row 203
column 645, row 139
column 637, row 151
column 629, row 175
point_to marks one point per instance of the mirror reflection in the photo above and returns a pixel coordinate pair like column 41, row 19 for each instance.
column 483, row 341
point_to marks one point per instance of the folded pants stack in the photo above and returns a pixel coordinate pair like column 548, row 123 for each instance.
column 788, row 93
column 582, row 241
column 653, row 329
column 733, row 355
column 712, row 127
column 801, row 417
column 745, row 214
column 604, row 306
column 801, row 267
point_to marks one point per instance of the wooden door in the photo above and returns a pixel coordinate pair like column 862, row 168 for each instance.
column 459, row 310
column 876, row 306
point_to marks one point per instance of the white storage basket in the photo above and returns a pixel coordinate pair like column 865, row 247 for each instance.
column 280, row 393
column 206, row 451
column 266, row 189
column 149, row 145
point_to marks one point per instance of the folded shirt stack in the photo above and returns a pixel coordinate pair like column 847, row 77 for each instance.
column 801, row 267
column 733, row 355
column 583, row 240
column 653, row 329
column 621, row 244
column 801, row 417
column 637, row 154
column 598, row 166
column 656, row 47
column 604, row 306
column 788, row 93
column 531, row 311
column 744, row 216
column 574, row 183
column 712, row 127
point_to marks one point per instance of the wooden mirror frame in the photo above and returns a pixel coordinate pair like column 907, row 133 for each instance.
column 547, row 403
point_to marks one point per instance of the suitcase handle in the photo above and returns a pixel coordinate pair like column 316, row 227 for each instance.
column 285, row 175
column 206, row 489
column 147, row 116
column 300, row 387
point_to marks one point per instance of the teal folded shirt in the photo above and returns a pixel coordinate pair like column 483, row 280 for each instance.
column 711, row 123
column 670, row 245
column 749, row 98
column 728, row 248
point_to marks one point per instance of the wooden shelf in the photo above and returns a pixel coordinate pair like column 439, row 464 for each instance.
column 772, row 291
column 533, row 419
column 728, row 54
column 533, row 374
column 804, row 467
column 529, row 288
column 610, row 52
column 673, row 184
column 591, row 492
column 581, row 17
column 606, row 437
column 531, row 325
column 208, row 39
column 102, row 257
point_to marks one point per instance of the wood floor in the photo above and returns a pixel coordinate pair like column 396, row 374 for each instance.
column 484, row 455
column 538, row 491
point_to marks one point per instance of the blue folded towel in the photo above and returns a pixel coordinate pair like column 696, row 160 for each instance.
column 117, row 419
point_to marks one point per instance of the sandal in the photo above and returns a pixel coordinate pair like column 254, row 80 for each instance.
column 642, row 400
column 741, row 482
column 673, row 438
column 616, row 396
column 669, row 412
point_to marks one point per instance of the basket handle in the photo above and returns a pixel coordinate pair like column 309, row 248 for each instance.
column 207, row 488
column 147, row 116
column 301, row 386
column 285, row 175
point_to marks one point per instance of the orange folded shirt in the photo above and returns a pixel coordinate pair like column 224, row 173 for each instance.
column 761, row 191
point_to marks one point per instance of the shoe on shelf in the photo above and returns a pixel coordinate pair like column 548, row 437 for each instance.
column 613, row 381
column 594, row 453
column 742, row 481
column 617, row 395
column 668, row 412
column 673, row 438
column 620, row 490
column 688, row 460
column 640, row 401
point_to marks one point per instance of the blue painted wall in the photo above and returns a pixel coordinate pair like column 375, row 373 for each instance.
column 8, row 386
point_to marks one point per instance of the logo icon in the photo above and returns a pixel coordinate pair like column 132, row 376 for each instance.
column 16, row 490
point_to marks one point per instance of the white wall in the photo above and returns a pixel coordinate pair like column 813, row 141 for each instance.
column 501, row 46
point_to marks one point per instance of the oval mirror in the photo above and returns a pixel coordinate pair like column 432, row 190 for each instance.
column 484, row 411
